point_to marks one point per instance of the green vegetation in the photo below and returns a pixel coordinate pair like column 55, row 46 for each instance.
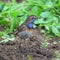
column 57, row 54
column 7, row 38
column 29, row 57
column 12, row 15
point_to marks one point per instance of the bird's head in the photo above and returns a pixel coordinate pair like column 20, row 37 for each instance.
column 30, row 22
column 30, row 18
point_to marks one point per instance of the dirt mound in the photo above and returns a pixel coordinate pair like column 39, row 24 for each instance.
column 20, row 49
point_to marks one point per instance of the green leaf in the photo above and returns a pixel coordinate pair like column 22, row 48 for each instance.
column 40, row 21
column 45, row 14
column 49, row 4
column 1, row 7
column 5, row 8
column 55, row 30
column 3, row 22
column 34, row 10
column 47, row 27
column 14, row 13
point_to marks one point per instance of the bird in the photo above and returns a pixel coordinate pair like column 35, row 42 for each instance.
column 27, row 30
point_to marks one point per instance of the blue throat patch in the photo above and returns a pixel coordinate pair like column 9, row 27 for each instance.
column 30, row 25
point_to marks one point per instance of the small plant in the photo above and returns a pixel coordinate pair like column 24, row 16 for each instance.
column 29, row 57
column 57, row 54
column 7, row 38
column 45, row 43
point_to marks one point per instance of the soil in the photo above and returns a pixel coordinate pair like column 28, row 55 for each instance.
column 19, row 50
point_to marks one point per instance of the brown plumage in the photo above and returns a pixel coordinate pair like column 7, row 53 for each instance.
column 23, row 26
column 28, row 20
